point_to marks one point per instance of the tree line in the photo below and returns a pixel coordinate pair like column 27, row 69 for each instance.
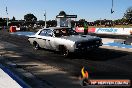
column 31, row 18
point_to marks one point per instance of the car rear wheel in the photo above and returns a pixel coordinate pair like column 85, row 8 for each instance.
column 36, row 46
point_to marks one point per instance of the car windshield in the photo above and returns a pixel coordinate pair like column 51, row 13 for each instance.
column 64, row 32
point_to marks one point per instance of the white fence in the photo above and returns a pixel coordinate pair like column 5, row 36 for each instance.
column 115, row 31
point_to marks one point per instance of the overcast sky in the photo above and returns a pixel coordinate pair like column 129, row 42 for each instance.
column 87, row 9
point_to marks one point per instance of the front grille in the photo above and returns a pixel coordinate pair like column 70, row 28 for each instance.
column 91, row 43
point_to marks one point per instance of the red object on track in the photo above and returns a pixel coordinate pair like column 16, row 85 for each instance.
column 12, row 29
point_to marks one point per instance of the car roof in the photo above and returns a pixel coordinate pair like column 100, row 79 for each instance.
column 56, row 27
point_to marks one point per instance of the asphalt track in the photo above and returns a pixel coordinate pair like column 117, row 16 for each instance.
column 103, row 63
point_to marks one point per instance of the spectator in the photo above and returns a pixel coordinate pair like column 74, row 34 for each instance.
column 85, row 28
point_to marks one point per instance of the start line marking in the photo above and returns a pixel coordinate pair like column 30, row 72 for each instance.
column 118, row 45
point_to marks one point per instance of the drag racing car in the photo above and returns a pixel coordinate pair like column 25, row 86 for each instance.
column 64, row 40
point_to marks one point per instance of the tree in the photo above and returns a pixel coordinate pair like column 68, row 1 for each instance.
column 128, row 15
column 1, row 20
column 83, row 20
column 13, row 19
column 30, row 17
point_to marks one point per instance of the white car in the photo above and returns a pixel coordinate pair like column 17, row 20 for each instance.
column 64, row 39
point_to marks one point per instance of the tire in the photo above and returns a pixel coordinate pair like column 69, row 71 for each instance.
column 36, row 46
column 64, row 51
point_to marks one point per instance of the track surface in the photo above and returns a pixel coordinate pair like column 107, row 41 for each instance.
column 104, row 63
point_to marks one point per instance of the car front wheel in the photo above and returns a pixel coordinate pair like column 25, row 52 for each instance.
column 64, row 51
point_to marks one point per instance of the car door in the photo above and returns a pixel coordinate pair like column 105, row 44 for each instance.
column 41, row 38
column 49, row 40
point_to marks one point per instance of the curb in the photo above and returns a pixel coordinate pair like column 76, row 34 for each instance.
column 15, row 77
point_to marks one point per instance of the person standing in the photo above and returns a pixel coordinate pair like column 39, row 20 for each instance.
column 85, row 28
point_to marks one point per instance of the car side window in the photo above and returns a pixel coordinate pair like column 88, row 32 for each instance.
column 49, row 32
column 43, row 33
column 46, row 32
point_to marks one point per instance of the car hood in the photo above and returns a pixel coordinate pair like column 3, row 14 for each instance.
column 79, row 38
